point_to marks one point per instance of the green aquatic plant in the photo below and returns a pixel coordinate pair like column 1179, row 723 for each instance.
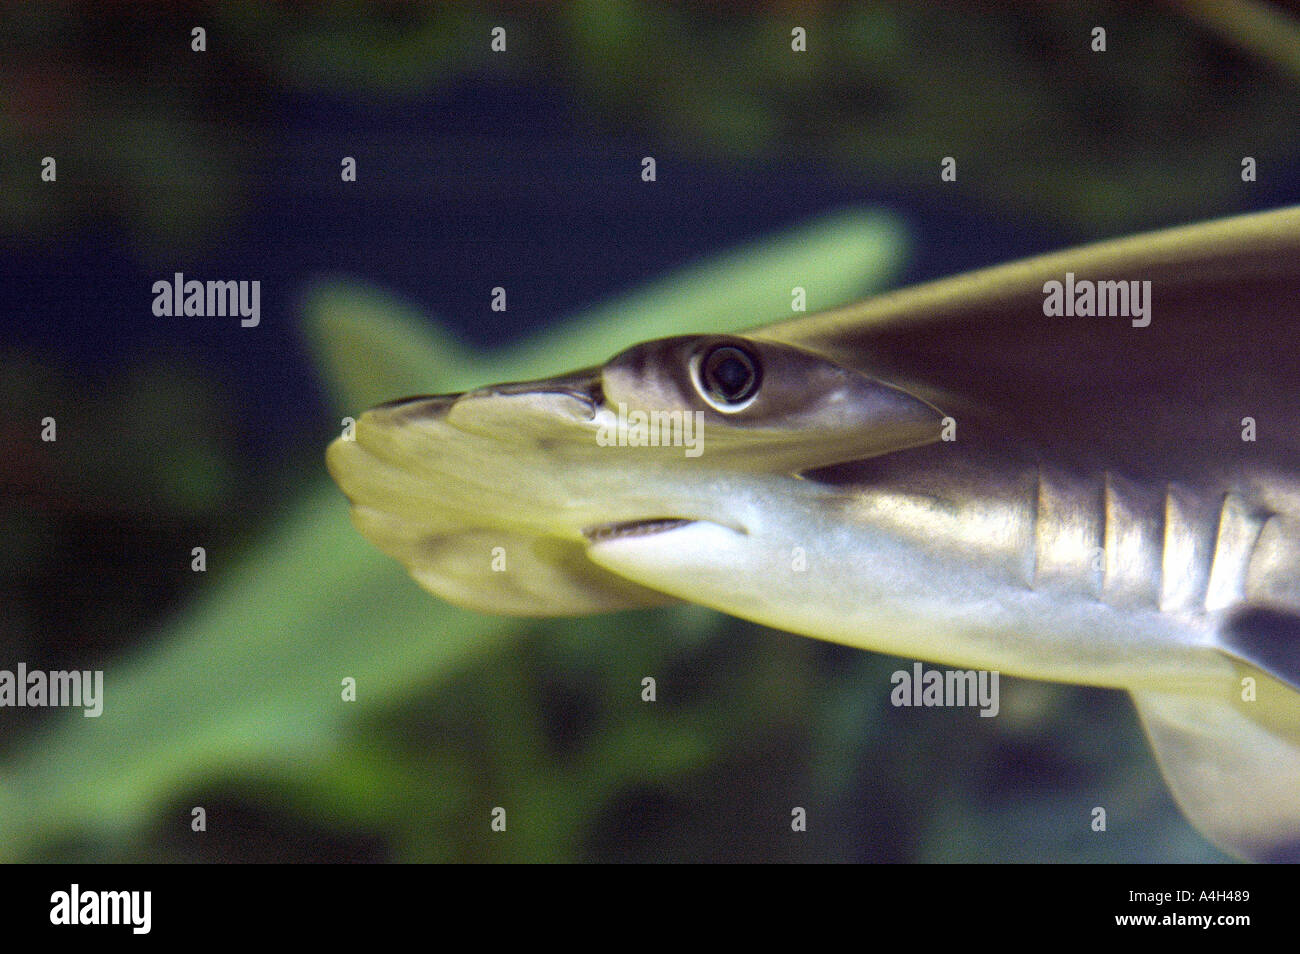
column 245, row 682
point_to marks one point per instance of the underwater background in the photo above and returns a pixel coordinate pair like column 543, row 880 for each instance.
column 523, row 169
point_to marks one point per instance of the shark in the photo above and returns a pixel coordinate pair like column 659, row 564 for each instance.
column 967, row 471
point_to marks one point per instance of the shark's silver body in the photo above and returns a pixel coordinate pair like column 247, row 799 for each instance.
column 944, row 472
column 1089, row 580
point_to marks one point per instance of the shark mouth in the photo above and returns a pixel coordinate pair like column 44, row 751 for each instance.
column 632, row 528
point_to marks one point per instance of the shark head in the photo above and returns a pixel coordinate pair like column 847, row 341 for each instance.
column 509, row 498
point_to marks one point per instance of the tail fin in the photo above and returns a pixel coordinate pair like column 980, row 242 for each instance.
column 1233, row 762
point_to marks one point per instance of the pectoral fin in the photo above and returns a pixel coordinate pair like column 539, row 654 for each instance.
column 1233, row 763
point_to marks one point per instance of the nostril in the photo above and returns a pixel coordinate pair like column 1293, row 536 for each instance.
column 582, row 386
column 425, row 406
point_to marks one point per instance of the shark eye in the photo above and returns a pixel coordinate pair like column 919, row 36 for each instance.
column 728, row 376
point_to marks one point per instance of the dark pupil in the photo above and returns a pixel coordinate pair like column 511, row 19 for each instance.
column 730, row 374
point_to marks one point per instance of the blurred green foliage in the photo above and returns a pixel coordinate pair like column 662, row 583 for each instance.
column 165, row 141
column 237, row 702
